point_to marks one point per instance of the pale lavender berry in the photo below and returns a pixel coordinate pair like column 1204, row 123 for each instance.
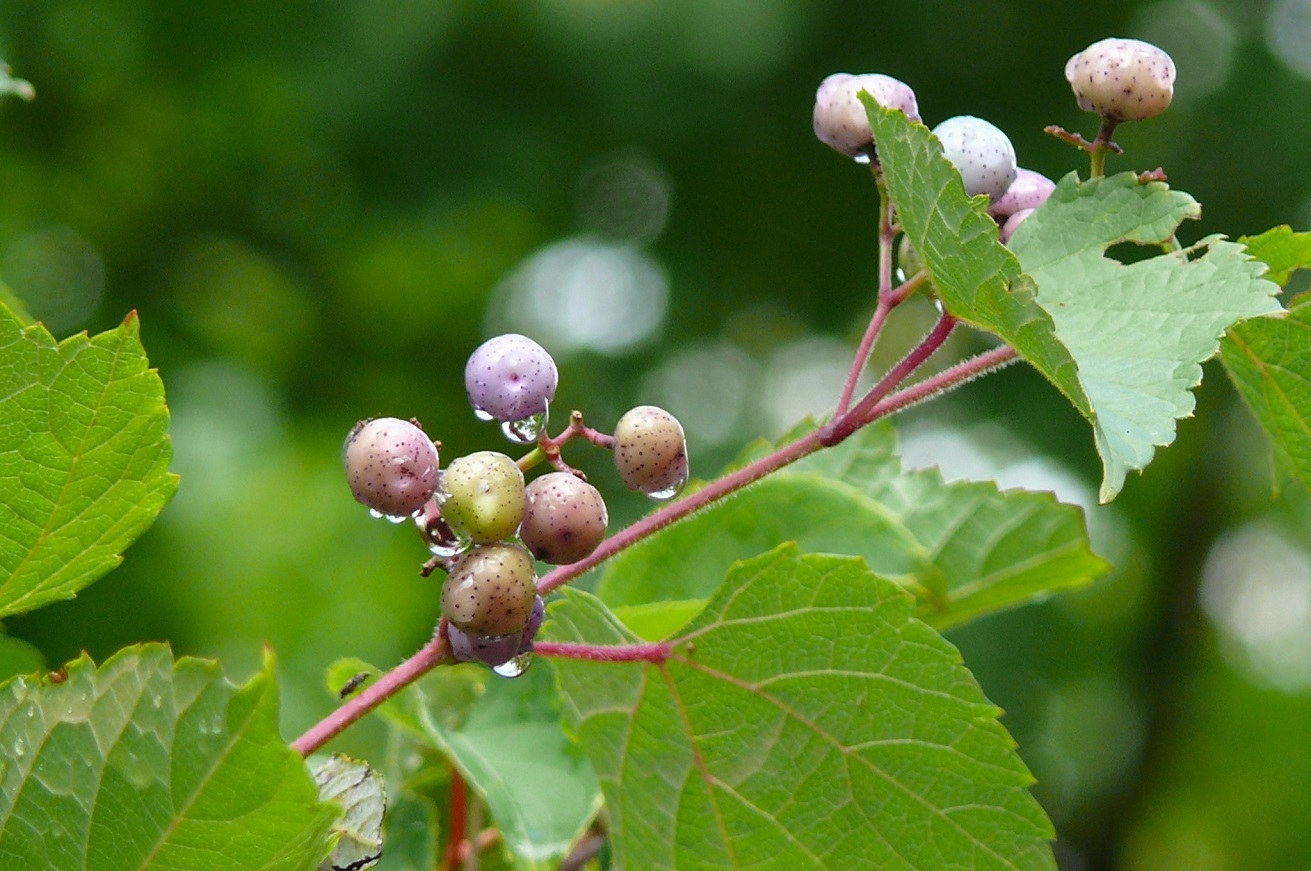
column 839, row 117
column 391, row 465
column 1122, row 79
column 651, row 452
column 566, row 518
column 1013, row 223
column 1029, row 191
column 510, row 378
column 490, row 590
column 981, row 151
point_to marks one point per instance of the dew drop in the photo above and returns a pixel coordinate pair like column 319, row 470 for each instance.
column 862, row 159
column 482, row 415
column 20, row 748
column 526, row 431
column 668, row 493
column 397, row 518
column 374, row 512
column 156, row 700
column 449, row 549
column 30, row 711
column 515, row 666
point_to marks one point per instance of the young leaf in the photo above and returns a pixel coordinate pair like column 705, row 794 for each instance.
column 805, row 720
column 1139, row 331
column 83, row 456
column 150, row 763
column 979, row 280
column 966, row 549
column 1269, row 360
column 508, row 746
column 1282, row 250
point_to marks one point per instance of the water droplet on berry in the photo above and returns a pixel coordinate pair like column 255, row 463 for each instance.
column 449, row 548
column 526, row 431
column 514, row 666
column 375, row 513
column 668, row 493
column 862, row 159
column 482, row 415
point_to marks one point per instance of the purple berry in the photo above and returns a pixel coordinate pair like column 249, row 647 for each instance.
column 1029, row 191
column 1122, row 79
column 391, row 465
column 839, row 117
column 983, row 154
column 511, row 378
column 1013, row 223
column 490, row 650
column 651, row 452
column 490, row 590
column 566, row 518
column 534, row 623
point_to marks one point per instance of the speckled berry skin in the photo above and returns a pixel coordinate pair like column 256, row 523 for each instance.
column 391, row 465
column 1122, row 79
column 566, row 518
column 1029, row 191
column 510, row 377
column 651, row 451
column 483, row 497
column 490, row 590
column 981, row 151
column 840, row 118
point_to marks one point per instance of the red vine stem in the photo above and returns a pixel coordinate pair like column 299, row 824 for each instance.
column 654, row 652
column 459, row 821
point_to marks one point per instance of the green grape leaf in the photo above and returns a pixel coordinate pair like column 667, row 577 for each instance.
column 84, row 457
column 1281, row 249
column 1269, row 361
column 965, row 549
column 1139, row 331
column 146, row 763
column 805, row 719
column 363, row 799
column 540, row 791
column 979, row 280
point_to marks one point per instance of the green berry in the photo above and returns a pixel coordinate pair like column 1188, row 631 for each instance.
column 490, row 590
column 651, row 452
column 566, row 518
column 482, row 496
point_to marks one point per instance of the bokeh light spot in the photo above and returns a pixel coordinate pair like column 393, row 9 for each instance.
column 625, row 197
column 58, row 274
column 1197, row 36
column 1288, row 34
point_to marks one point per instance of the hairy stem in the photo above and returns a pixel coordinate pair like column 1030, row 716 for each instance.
column 653, row 652
column 885, row 302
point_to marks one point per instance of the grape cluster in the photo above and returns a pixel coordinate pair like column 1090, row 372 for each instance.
column 1118, row 79
column 484, row 524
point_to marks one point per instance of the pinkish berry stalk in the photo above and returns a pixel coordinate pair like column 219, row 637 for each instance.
column 839, row 117
column 391, row 465
column 981, row 151
column 1122, row 79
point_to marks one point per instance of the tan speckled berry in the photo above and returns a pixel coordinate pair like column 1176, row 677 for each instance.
column 391, row 465
column 651, row 451
column 566, row 518
column 482, row 496
column 490, row 590
column 1122, row 79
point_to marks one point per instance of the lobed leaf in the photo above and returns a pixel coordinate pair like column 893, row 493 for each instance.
column 1138, row 331
column 84, row 457
column 1269, row 361
column 806, row 719
column 979, row 280
column 966, row 549
column 145, row 763
column 1281, row 249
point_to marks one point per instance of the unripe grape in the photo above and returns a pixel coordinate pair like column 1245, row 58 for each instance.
column 510, row 378
column 839, row 117
column 651, row 452
column 1122, row 79
column 566, row 518
column 981, row 151
column 391, row 465
column 490, row 590
column 482, row 496
column 1029, row 191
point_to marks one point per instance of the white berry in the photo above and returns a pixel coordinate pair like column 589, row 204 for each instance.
column 1122, row 79
column 981, row 151
column 840, row 118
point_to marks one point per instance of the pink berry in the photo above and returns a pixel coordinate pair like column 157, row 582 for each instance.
column 1029, row 191
column 566, row 518
column 1122, row 79
column 1013, row 223
column 391, row 465
column 839, row 117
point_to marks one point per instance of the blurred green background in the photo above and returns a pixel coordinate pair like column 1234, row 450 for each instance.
column 320, row 208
